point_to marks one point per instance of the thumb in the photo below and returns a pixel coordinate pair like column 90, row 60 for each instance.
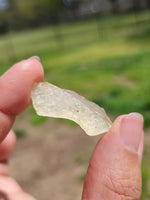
column 115, row 167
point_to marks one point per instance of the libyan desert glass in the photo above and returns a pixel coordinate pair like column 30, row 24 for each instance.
column 52, row 101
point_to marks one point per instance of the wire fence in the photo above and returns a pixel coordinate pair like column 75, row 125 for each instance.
column 60, row 37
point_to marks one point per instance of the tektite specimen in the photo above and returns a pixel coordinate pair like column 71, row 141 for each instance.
column 52, row 101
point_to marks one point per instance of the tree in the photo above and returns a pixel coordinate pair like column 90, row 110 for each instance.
column 72, row 7
column 115, row 5
column 30, row 9
column 33, row 12
column 148, row 3
column 3, row 23
column 136, row 5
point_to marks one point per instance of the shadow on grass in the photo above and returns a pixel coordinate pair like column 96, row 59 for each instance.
column 140, row 35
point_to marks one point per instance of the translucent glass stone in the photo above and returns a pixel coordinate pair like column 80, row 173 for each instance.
column 52, row 101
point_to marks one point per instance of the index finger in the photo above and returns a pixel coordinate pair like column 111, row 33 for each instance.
column 15, row 88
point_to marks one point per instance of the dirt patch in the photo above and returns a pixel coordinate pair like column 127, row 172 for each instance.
column 51, row 160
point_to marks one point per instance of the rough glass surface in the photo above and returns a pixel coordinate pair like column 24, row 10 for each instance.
column 52, row 101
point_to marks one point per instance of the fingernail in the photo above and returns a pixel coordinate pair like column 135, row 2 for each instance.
column 131, row 131
column 36, row 57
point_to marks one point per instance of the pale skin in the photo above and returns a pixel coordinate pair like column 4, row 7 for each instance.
column 114, row 171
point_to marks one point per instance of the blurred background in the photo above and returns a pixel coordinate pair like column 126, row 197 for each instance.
column 98, row 48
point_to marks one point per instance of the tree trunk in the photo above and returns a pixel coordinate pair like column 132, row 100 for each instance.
column 148, row 3
column 136, row 5
column 115, row 5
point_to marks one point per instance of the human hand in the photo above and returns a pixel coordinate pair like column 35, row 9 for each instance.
column 15, row 89
column 114, row 172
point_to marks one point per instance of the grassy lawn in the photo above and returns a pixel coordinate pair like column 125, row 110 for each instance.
column 106, row 60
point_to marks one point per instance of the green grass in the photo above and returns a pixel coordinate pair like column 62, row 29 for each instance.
column 107, row 61
column 20, row 133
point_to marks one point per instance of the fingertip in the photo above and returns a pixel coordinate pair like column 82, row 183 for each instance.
column 128, row 129
column 115, row 161
column 131, row 130
column 16, row 85
column 116, row 124
column 33, row 67
column 28, row 68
